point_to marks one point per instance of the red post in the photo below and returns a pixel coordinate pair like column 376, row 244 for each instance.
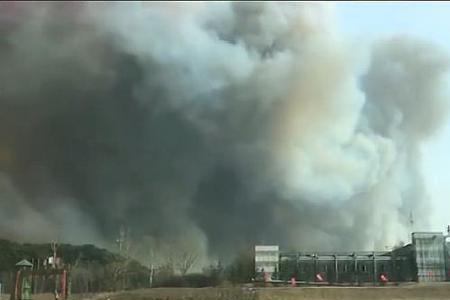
column 16, row 290
column 293, row 282
column 266, row 277
column 63, row 285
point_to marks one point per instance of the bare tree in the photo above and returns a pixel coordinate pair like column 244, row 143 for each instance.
column 115, row 272
column 162, row 256
column 185, row 261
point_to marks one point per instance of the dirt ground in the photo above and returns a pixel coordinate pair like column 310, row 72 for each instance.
column 436, row 291
column 439, row 291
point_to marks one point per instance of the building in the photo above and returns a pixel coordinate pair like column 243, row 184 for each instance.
column 425, row 259
column 430, row 255
column 266, row 261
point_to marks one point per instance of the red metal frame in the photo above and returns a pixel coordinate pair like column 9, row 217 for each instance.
column 15, row 295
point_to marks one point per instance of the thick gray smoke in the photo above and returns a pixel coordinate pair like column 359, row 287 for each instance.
column 210, row 125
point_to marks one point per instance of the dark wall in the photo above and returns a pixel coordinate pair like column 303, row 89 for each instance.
column 397, row 266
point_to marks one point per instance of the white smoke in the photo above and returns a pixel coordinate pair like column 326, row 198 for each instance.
column 323, row 148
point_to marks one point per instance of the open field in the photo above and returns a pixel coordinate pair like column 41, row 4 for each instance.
column 436, row 291
column 410, row 292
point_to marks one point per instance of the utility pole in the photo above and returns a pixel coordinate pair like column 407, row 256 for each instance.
column 127, row 243
column 54, row 248
column 375, row 277
column 150, row 278
column 121, row 239
column 150, row 266
column 411, row 221
column 153, row 266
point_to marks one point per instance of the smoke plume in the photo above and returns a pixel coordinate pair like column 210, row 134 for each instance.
column 210, row 125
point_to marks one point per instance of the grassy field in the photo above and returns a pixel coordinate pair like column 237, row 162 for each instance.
column 410, row 292
column 438, row 291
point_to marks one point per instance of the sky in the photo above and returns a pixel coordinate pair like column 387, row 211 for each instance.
column 368, row 21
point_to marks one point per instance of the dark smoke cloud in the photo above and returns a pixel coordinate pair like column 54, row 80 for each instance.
column 210, row 125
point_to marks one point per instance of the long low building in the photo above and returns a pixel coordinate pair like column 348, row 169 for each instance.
column 427, row 258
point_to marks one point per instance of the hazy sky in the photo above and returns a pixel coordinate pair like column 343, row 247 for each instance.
column 366, row 21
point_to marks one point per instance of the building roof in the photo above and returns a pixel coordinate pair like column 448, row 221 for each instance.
column 24, row 263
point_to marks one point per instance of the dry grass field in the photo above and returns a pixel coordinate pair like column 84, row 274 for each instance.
column 438, row 291
column 410, row 292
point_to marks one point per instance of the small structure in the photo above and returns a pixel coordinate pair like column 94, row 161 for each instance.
column 23, row 283
column 24, row 264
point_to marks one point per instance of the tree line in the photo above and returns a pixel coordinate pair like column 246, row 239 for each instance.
column 94, row 270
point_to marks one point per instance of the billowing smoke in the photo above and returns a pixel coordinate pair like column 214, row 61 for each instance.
column 210, row 125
